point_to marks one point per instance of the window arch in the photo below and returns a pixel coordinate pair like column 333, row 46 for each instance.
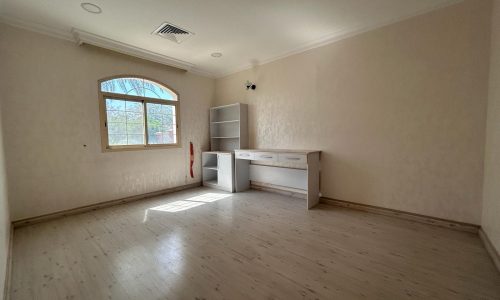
column 138, row 113
column 138, row 86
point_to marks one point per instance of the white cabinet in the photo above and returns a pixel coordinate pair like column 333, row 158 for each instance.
column 218, row 170
column 225, row 171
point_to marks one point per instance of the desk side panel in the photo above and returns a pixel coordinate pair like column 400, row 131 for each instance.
column 313, row 169
column 241, row 178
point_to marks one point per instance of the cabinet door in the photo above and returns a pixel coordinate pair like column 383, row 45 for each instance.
column 225, row 171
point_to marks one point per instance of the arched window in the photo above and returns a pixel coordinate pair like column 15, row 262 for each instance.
column 138, row 113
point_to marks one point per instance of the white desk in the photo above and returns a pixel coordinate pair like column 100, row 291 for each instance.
column 293, row 169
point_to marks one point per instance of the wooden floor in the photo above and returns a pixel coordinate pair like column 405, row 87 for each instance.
column 207, row 244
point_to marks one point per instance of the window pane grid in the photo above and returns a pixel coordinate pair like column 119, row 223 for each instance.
column 125, row 122
column 161, row 122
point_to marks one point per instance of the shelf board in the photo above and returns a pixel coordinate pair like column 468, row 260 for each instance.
column 211, row 168
column 211, row 183
column 222, row 122
column 225, row 106
column 225, row 137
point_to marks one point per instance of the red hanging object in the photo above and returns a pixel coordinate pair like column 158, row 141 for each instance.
column 191, row 159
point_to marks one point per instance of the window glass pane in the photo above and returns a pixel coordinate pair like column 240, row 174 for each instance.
column 112, row 104
column 117, row 139
column 138, row 87
column 116, row 116
column 161, row 124
column 125, row 122
column 134, row 106
column 117, row 128
column 135, row 139
column 133, row 117
column 135, row 128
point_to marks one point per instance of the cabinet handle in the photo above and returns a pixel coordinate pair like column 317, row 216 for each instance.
column 293, row 158
column 266, row 156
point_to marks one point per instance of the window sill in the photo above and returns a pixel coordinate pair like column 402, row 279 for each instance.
column 138, row 148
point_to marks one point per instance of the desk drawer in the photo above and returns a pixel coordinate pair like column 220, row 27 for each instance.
column 267, row 156
column 244, row 155
column 291, row 157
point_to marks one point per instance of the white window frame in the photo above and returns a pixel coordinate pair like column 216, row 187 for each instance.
column 144, row 100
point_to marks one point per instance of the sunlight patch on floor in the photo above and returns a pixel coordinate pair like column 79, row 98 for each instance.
column 209, row 197
column 177, row 206
column 186, row 204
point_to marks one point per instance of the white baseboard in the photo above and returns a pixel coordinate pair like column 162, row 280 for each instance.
column 43, row 218
column 490, row 248
column 8, row 266
column 404, row 215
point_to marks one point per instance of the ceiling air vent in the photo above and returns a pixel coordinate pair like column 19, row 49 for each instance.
column 173, row 32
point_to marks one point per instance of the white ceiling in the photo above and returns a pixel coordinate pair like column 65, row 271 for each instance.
column 246, row 32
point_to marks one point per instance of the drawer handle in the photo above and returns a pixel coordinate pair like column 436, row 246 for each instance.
column 266, row 156
column 293, row 158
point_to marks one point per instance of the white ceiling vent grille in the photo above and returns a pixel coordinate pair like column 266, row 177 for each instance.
column 173, row 32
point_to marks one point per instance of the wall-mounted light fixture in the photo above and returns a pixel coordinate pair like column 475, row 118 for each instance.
column 250, row 85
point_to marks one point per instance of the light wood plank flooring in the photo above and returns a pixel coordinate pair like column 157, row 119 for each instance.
column 207, row 244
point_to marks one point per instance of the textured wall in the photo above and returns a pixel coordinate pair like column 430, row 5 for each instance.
column 50, row 110
column 491, row 194
column 4, row 214
column 399, row 112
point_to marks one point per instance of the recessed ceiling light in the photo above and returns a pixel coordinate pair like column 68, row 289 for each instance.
column 216, row 54
column 91, row 8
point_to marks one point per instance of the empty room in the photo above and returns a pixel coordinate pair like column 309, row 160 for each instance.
column 234, row 149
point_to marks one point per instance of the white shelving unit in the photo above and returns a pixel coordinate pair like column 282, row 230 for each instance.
column 228, row 127
column 228, row 132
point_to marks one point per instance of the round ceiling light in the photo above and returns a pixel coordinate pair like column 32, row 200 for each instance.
column 216, row 54
column 91, row 8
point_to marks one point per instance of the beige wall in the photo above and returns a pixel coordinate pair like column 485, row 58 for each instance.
column 4, row 215
column 50, row 110
column 399, row 112
column 491, row 194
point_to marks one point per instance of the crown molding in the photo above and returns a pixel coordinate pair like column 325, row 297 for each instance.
column 35, row 27
column 202, row 72
column 83, row 37
column 338, row 36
